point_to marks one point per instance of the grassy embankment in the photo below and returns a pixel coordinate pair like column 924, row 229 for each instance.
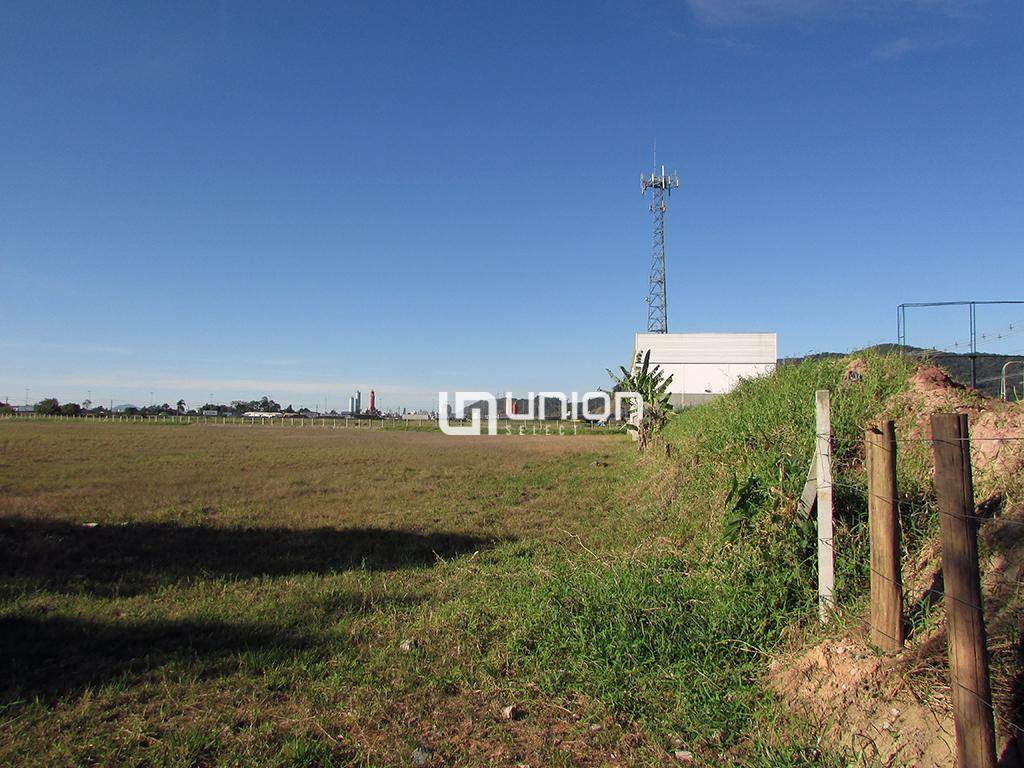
column 676, row 634
column 283, row 598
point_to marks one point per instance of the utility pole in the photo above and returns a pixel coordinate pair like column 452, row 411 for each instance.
column 661, row 186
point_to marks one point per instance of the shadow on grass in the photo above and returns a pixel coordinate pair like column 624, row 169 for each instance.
column 54, row 656
column 134, row 558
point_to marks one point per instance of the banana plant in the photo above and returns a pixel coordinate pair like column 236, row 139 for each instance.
column 652, row 385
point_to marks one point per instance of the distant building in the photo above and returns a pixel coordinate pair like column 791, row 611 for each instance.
column 262, row 415
column 703, row 365
column 416, row 416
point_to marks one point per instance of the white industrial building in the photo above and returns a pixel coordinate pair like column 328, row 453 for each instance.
column 703, row 365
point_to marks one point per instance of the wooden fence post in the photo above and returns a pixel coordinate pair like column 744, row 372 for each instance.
column 823, row 470
column 968, row 651
column 884, row 524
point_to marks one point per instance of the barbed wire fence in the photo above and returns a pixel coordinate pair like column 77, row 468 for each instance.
column 958, row 583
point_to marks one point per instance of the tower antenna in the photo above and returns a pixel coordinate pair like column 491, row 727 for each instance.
column 661, row 186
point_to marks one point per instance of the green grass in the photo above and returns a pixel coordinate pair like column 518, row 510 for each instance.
column 677, row 635
column 763, row 435
column 246, row 593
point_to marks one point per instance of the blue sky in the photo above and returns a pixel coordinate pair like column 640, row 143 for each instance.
column 301, row 200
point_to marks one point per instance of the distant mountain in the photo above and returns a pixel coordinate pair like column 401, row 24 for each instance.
column 989, row 367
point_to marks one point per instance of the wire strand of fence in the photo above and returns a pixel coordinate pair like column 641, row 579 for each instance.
column 955, row 680
column 934, row 590
column 929, row 441
column 866, row 492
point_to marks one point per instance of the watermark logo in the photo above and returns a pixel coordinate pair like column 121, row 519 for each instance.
column 627, row 405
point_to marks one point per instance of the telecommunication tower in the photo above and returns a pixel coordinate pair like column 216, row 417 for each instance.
column 661, row 187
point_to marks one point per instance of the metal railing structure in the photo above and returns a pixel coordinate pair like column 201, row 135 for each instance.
column 901, row 325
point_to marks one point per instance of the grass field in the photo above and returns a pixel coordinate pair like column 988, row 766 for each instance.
column 223, row 595
column 207, row 595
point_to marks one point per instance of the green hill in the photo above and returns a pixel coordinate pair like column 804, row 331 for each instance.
column 989, row 367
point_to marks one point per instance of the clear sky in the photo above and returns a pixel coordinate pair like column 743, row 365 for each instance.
column 300, row 200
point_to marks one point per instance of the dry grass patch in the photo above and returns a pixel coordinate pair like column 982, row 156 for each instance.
column 209, row 595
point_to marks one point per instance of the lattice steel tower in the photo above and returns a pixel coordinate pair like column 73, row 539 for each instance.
column 657, row 301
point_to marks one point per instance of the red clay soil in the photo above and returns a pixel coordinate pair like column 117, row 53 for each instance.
column 996, row 428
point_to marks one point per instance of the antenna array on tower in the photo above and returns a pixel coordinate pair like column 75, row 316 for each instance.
column 661, row 187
